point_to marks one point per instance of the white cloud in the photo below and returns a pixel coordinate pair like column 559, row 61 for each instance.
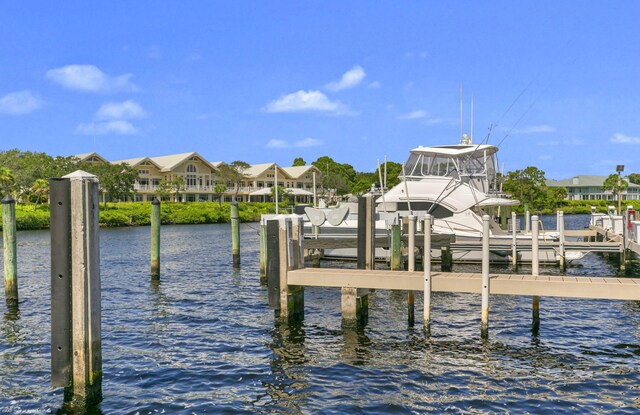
column 305, row 142
column 126, row 110
column 413, row 115
column 624, row 139
column 116, row 127
column 534, row 129
column 19, row 103
column 308, row 142
column 89, row 78
column 374, row 85
column 306, row 101
column 276, row 143
column 349, row 79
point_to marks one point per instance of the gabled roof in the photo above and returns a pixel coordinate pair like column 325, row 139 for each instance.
column 297, row 171
column 256, row 170
column 91, row 157
column 170, row 162
column 137, row 161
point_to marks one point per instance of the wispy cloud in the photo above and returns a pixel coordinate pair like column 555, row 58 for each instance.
column 115, row 127
column 374, row 85
column 306, row 101
column 546, row 157
column 414, row 115
column 534, row 129
column 89, row 78
column 276, row 143
column 308, row 142
column 126, row 110
column 624, row 139
column 349, row 79
column 304, row 143
column 19, row 103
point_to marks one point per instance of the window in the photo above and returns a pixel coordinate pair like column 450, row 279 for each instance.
column 191, row 168
column 143, row 171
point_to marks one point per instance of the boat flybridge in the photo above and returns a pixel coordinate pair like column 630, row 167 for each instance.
column 457, row 185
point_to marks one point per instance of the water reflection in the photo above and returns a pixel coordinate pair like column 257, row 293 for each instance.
column 10, row 324
column 283, row 387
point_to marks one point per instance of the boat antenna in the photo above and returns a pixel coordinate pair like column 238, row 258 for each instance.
column 461, row 131
column 471, row 132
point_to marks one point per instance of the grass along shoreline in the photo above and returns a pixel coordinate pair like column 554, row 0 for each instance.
column 139, row 213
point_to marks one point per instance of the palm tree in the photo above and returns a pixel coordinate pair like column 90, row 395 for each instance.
column 40, row 188
column 7, row 181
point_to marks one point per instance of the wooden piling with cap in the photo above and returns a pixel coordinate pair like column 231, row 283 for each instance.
column 10, row 250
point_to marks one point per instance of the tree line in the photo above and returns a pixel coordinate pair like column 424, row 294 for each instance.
column 25, row 175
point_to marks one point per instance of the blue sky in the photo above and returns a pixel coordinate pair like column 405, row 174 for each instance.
column 557, row 84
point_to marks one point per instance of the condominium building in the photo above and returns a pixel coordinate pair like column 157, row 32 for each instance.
column 590, row 188
column 190, row 177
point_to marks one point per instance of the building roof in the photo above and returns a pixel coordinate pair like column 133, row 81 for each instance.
column 297, row 171
column 583, row 181
column 136, row 161
column 90, row 157
column 170, row 162
column 256, row 170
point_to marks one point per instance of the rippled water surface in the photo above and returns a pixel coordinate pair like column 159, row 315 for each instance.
column 203, row 340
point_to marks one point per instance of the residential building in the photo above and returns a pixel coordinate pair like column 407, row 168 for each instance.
column 198, row 179
column 585, row 187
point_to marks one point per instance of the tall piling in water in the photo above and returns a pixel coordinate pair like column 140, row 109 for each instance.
column 396, row 247
column 514, row 241
column 155, row 238
column 485, row 277
column 426, row 261
column 411, row 267
column 10, row 250
column 535, row 271
column 235, row 234
column 75, row 293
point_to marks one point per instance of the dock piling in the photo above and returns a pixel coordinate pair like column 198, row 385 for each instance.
column 411, row 268
column 527, row 220
column 561, row 253
column 235, row 234
column 10, row 251
column 514, row 241
column 446, row 258
column 485, row 277
column 396, row 247
column 535, row 271
column 263, row 252
column 85, row 306
column 426, row 261
column 155, row 238
column 355, row 301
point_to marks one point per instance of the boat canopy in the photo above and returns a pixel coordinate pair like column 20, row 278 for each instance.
column 451, row 161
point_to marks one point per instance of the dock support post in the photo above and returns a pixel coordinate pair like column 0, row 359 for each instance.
column 85, row 289
column 355, row 301
column 411, row 267
column 426, row 261
column 514, row 241
column 560, row 226
column 485, row 277
column 396, row 246
column 535, row 271
column 60, row 220
column 446, row 258
column 527, row 220
column 273, row 262
column 155, row 238
column 235, row 234
column 263, row 252
column 291, row 297
column 10, row 251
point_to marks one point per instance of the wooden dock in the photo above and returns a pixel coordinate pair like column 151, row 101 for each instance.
column 506, row 284
column 287, row 276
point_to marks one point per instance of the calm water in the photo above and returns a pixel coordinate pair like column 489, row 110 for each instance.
column 204, row 341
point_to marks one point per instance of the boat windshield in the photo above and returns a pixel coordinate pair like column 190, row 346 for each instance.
column 469, row 166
